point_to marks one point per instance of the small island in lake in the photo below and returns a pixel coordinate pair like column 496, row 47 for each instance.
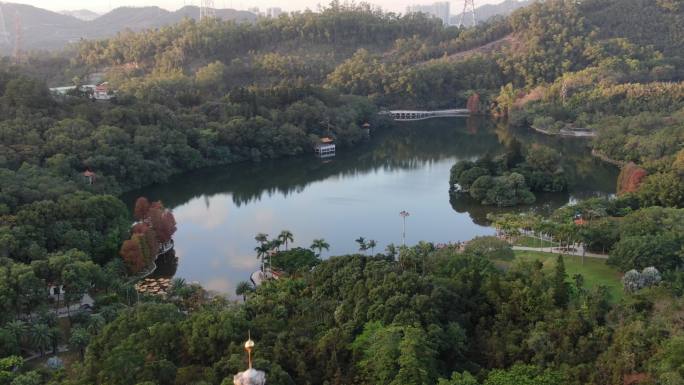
column 511, row 178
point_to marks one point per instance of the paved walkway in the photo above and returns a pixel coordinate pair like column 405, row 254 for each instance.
column 74, row 308
column 578, row 251
column 35, row 355
column 576, row 132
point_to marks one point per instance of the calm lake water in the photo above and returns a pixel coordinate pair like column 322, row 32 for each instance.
column 360, row 192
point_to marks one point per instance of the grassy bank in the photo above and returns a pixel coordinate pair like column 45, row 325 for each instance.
column 528, row 241
column 595, row 271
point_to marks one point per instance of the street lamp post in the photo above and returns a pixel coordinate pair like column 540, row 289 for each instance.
column 404, row 214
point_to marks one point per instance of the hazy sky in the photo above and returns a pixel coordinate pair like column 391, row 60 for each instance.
column 287, row 5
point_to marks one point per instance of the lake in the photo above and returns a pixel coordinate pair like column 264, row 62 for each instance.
column 360, row 192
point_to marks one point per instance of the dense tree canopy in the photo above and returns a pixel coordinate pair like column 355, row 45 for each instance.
column 197, row 94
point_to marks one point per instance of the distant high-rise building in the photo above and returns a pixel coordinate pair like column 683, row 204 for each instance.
column 4, row 34
column 273, row 12
column 255, row 10
column 439, row 10
column 207, row 10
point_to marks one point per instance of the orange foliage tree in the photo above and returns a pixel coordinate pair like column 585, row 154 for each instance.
column 142, row 205
column 150, row 243
column 167, row 226
column 474, row 103
column 630, row 178
column 156, row 225
column 132, row 254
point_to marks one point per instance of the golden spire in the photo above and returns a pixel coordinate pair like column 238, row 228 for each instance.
column 249, row 345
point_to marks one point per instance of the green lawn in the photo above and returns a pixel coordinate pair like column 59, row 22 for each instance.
column 527, row 241
column 594, row 270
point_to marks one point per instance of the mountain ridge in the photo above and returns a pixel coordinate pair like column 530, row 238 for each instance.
column 82, row 14
column 47, row 30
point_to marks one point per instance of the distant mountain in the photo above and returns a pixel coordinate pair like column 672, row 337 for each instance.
column 484, row 12
column 40, row 29
column 82, row 14
column 138, row 18
column 46, row 30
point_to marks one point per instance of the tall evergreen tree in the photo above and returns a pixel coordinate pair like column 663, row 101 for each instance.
column 560, row 287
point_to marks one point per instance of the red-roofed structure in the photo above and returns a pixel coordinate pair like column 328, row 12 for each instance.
column 325, row 147
column 101, row 92
column 89, row 176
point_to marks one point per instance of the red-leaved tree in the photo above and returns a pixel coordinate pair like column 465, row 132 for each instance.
column 168, row 226
column 132, row 255
column 156, row 225
column 163, row 223
column 474, row 103
column 140, row 228
column 630, row 178
column 142, row 205
column 150, row 245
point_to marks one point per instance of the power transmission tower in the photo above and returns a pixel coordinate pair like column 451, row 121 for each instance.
column 207, row 9
column 468, row 4
column 4, row 34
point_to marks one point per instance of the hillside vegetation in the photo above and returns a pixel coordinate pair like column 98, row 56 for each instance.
column 197, row 94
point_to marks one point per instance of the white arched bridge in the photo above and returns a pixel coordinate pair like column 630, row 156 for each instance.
column 408, row 115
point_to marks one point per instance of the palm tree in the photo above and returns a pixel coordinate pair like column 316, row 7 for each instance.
column 362, row 244
column 391, row 250
column 177, row 286
column 243, row 288
column 273, row 247
column 129, row 291
column 16, row 329
column 109, row 312
column 286, row 236
column 275, row 244
column 95, row 324
column 261, row 238
column 41, row 336
column 371, row 245
column 55, row 336
column 79, row 340
column 262, row 252
column 320, row 244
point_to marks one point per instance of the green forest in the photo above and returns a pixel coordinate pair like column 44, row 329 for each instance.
column 198, row 94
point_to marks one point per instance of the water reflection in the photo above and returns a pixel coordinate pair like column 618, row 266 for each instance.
column 358, row 193
column 167, row 264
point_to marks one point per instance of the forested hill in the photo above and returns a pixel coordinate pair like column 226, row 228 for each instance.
column 582, row 34
column 195, row 94
column 645, row 22
column 560, row 66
